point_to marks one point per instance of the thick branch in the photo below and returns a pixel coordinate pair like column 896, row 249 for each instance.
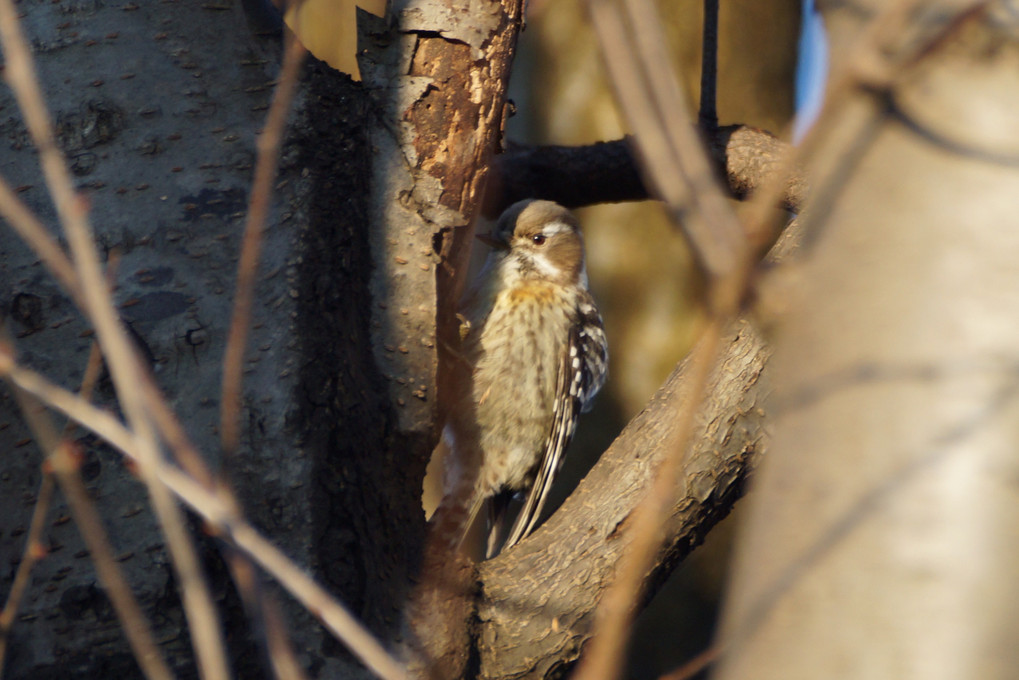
column 607, row 172
column 539, row 598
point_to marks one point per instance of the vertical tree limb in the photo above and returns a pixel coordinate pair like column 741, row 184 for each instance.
column 439, row 78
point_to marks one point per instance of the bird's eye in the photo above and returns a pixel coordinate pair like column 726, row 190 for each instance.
column 538, row 239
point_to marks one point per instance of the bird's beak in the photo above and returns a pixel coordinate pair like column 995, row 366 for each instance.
column 491, row 242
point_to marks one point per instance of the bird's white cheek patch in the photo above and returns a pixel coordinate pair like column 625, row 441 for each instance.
column 545, row 267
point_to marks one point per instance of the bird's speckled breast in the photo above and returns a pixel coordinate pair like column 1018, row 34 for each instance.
column 518, row 352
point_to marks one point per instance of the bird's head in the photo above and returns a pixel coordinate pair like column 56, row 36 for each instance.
column 540, row 240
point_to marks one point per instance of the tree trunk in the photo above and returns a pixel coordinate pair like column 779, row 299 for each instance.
column 157, row 108
column 883, row 524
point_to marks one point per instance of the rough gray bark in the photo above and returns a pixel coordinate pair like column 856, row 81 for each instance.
column 883, row 524
column 156, row 108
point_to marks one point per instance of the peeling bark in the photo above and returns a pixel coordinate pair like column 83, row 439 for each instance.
column 439, row 77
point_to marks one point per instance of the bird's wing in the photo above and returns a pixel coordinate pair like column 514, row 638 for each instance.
column 593, row 347
column 582, row 372
column 564, row 419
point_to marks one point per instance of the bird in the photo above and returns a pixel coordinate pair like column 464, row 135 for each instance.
column 533, row 340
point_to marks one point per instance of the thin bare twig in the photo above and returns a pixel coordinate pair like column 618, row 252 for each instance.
column 64, row 466
column 263, row 609
column 694, row 665
column 868, row 63
column 708, row 113
column 35, row 234
column 281, row 652
column 32, row 232
column 676, row 160
column 714, row 223
column 261, row 191
column 62, row 463
column 65, row 463
column 259, row 605
column 34, row 548
column 649, row 93
column 34, row 551
column 221, row 515
column 603, row 660
column 121, row 356
column 184, row 452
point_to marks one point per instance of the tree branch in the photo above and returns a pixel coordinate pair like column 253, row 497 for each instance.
column 608, row 172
